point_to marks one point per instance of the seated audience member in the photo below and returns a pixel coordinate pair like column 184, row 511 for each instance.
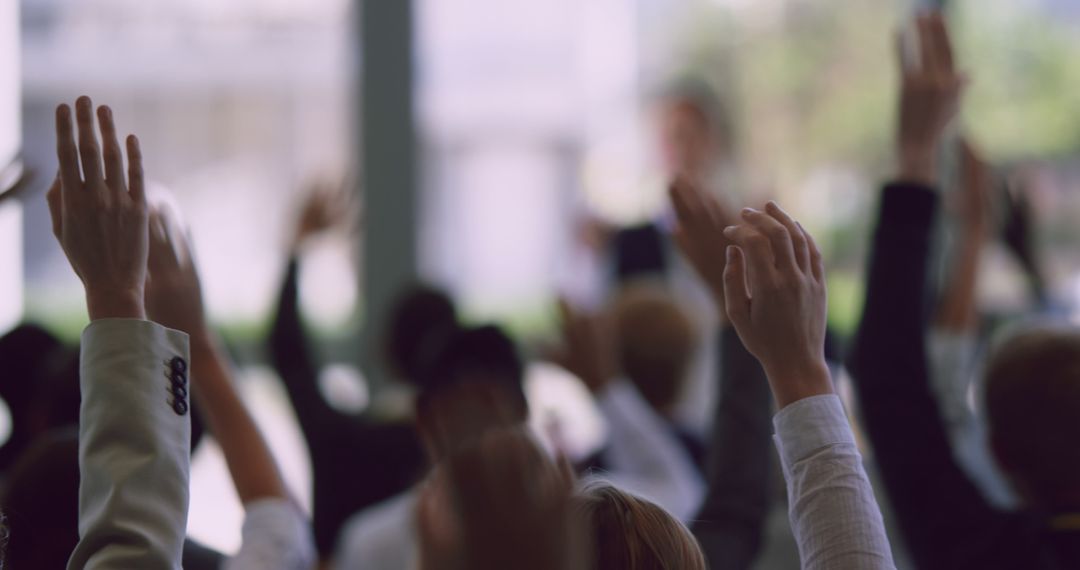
column 1031, row 387
column 772, row 285
column 469, row 381
column 356, row 461
column 643, row 454
column 656, row 342
column 29, row 356
column 500, row 502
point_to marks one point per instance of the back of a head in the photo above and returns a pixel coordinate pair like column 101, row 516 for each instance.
column 1033, row 407
column 656, row 342
column 420, row 316
column 631, row 533
column 41, row 503
column 483, row 354
column 25, row 353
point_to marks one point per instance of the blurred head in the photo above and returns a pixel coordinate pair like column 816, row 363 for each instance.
column 503, row 503
column 469, row 385
column 41, row 503
column 1033, row 407
column 655, row 343
column 25, row 352
column 631, row 533
column 420, row 317
column 38, row 382
column 693, row 128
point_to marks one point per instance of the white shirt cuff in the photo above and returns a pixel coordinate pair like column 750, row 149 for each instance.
column 809, row 425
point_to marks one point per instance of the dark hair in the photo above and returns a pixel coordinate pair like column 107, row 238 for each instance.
column 41, row 503
column 419, row 318
column 25, row 352
column 31, row 359
column 484, row 351
column 1033, row 409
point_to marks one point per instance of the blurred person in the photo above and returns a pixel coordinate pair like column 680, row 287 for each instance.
column 768, row 278
column 1031, row 388
column 643, row 453
column 470, row 382
column 341, row 446
column 27, row 353
column 657, row 342
column 502, row 503
column 695, row 140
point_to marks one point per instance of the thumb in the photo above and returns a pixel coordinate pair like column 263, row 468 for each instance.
column 736, row 300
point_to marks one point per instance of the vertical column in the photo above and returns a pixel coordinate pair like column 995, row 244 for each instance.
column 388, row 163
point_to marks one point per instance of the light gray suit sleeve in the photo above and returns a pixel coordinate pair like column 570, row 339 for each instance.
column 134, row 447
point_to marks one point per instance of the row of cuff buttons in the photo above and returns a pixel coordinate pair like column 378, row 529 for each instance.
column 177, row 375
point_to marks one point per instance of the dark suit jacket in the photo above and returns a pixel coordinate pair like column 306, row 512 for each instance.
column 945, row 520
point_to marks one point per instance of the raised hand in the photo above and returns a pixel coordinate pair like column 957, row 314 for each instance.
column 588, row 350
column 326, row 206
column 929, row 100
column 700, row 235
column 775, row 298
column 99, row 214
column 173, row 292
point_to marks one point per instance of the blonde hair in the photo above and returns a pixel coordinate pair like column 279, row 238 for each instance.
column 656, row 341
column 631, row 533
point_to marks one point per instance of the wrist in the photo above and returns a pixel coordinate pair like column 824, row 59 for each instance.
column 918, row 165
column 793, row 383
column 115, row 304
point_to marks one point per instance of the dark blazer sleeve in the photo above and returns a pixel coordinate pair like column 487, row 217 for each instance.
column 294, row 362
column 731, row 522
column 944, row 518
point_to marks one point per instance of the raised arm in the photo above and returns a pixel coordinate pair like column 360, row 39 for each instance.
column 644, row 455
column 290, row 351
column 276, row 534
column 942, row 514
column 953, row 342
column 134, row 429
column 731, row 522
column 774, row 287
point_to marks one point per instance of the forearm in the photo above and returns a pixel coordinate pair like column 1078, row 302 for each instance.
column 958, row 310
column 254, row 472
column 295, row 364
column 834, row 515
